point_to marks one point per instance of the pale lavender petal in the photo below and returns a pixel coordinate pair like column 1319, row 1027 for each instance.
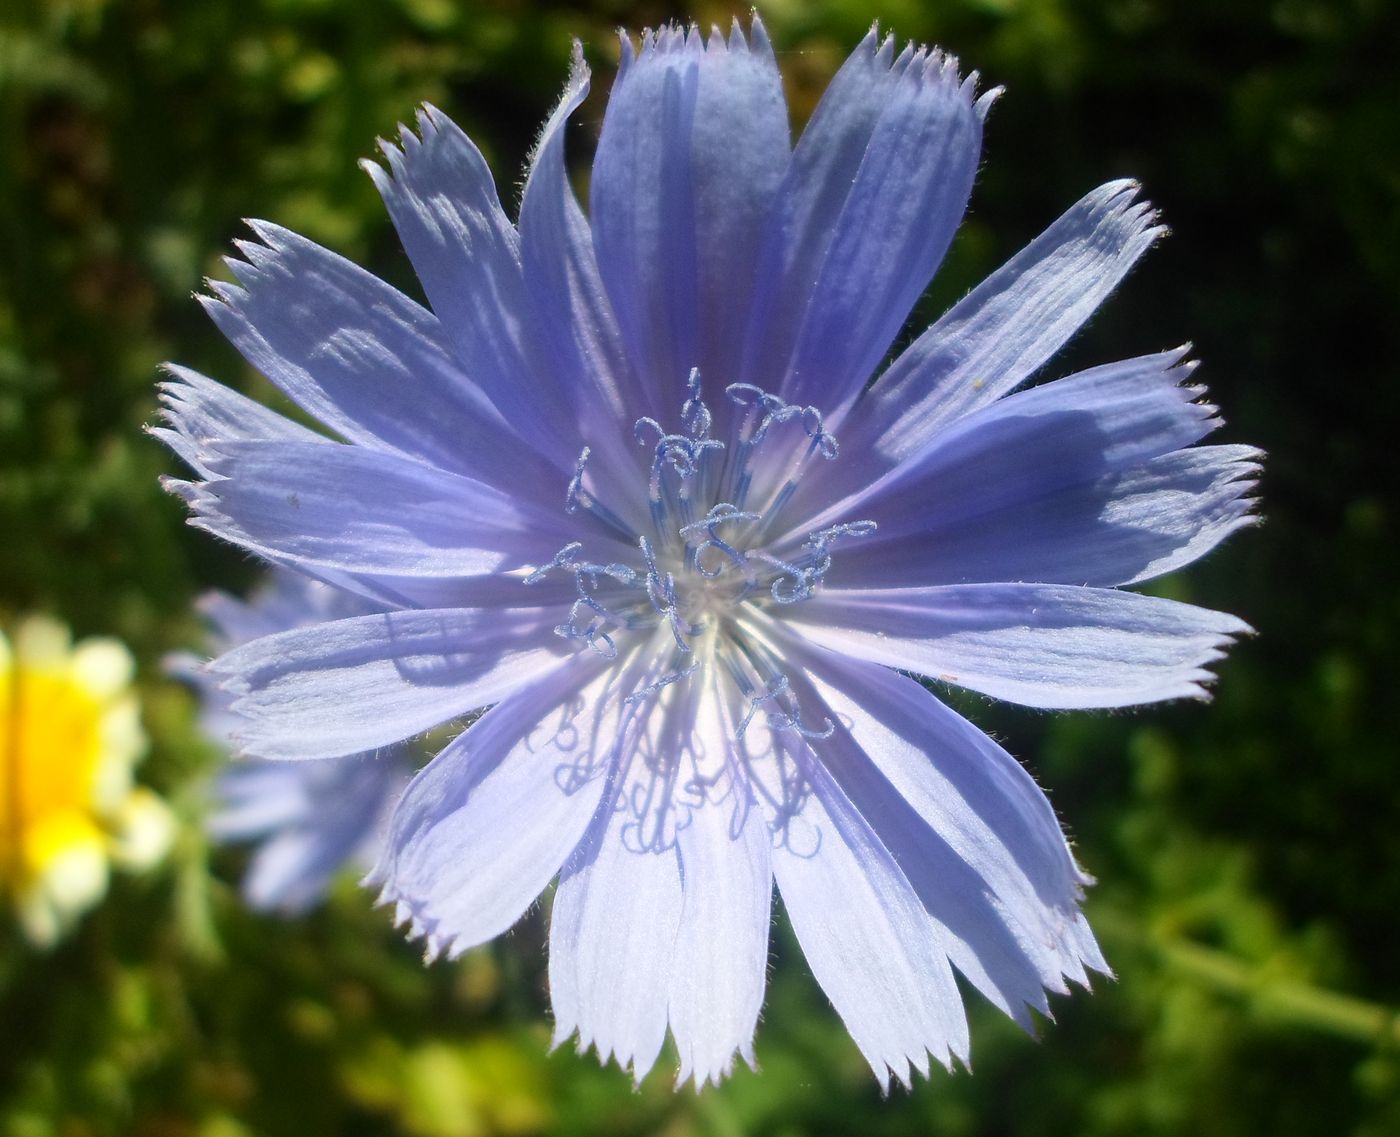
column 284, row 600
column 1054, row 646
column 561, row 274
column 201, row 414
column 356, row 510
column 990, row 342
column 362, row 358
column 351, row 685
column 875, row 190
column 440, row 193
column 255, row 798
column 577, row 323
column 335, row 812
column 721, row 952
column 484, row 827
column 1116, row 529
column 993, row 868
column 867, row 937
column 612, row 936
column 693, row 146
column 1029, row 445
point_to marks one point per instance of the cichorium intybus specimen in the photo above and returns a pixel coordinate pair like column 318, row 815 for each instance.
column 626, row 479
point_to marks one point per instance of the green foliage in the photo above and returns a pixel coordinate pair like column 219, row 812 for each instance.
column 1247, row 850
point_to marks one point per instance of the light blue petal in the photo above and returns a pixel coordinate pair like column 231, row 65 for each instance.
column 1117, row 529
column 1052, row 646
column 1029, row 445
column 866, row 936
column 205, row 417
column 693, row 146
column 364, row 359
column 484, row 827
column 1008, row 326
column 875, row 190
column 352, row 685
column 255, row 798
column 1006, row 887
column 345, row 807
column 611, row 944
column 561, row 274
column 441, row 196
column 577, row 323
column 360, row 511
column 721, row 952
column 200, row 413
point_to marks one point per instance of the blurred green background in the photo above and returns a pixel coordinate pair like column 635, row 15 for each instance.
column 1248, row 851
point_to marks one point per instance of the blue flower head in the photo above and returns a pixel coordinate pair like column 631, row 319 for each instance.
column 628, row 480
column 308, row 820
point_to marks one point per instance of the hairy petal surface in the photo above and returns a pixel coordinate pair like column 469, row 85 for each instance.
column 1054, row 646
column 875, row 190
column 693, row 147
column 487, row 824
column 351, row 685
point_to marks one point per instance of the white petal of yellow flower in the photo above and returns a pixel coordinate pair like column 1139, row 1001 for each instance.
column 144, row 829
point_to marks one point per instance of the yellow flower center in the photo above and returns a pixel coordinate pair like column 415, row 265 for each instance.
column 51, row 747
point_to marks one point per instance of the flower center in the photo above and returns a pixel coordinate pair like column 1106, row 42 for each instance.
column 717, row 550
column 51, row 739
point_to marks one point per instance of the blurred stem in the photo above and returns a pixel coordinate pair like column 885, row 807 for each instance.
column 1288, row 1000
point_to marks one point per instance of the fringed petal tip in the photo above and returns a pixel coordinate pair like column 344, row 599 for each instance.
column 1121, row 200
column 429, row 125
column 926, row 64
column 566, row 1031
column 697, row 1077
column 191, row 493
column 414, row 920
column 890, row 1073
column 688, row 1074
column 688, row 39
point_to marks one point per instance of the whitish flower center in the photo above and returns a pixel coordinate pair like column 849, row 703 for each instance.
column 717, row 551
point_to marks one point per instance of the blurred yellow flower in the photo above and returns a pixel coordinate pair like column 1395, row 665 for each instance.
column 70, row 736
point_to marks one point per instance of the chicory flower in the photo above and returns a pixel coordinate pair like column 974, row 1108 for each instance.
column 627, row 480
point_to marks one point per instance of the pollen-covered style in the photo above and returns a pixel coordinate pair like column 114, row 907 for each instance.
column 626, row 479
